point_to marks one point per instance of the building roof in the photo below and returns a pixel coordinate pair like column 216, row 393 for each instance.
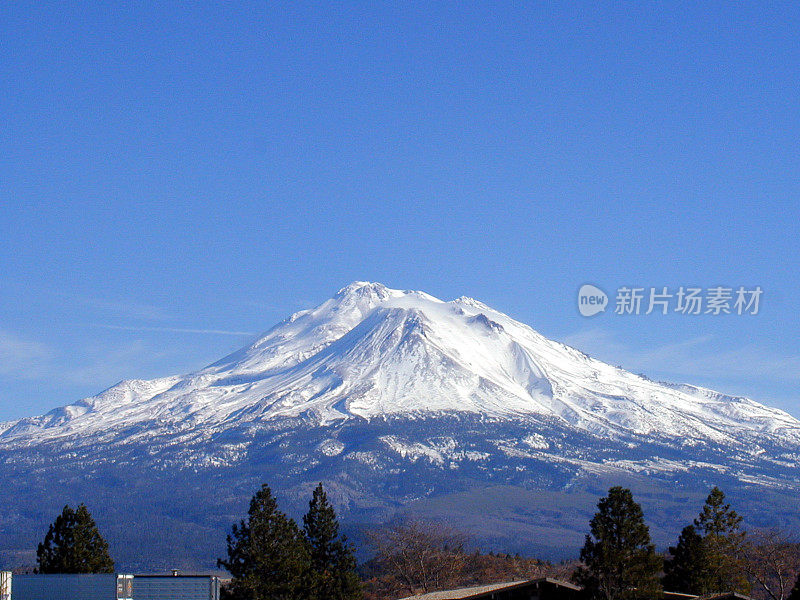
column 479, row 590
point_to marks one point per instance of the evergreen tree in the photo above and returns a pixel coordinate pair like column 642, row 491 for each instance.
column 688, row 570
column 333, row 566
column 267, row 556
column 619, row 560
column 795, row 594
column 73, row 544
column 723, row 541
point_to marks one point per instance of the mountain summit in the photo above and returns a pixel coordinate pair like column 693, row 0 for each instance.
column 394, row 399
column 371, row 352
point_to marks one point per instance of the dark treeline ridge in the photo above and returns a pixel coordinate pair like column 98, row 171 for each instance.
column 270, row 556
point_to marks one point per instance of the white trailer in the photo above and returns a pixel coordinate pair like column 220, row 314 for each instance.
column 69, row 587
column 108, row 587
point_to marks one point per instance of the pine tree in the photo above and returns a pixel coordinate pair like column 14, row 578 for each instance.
column 73, row 544
column 719, row 525
column 795, row 594
column 619, row 560
column 333, row 566
column 688, row 570
column 267, row 556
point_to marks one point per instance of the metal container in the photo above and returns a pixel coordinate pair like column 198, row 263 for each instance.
column 178, row 587
column 69, row 587
column 109, row 587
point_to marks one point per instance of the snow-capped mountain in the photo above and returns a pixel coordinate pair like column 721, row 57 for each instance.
column 371, row 352
column 376, row 384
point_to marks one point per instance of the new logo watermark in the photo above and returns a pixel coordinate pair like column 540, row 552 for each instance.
column 591, row 300
column 685, row 300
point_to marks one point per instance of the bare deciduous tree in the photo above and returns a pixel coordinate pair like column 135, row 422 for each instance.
column 417, row 556
column 772, row 562
column 421, row 556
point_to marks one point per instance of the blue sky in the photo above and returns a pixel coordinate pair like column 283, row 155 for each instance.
column 176, row 178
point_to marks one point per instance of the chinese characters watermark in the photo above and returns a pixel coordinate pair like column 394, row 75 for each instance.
column 718, row 300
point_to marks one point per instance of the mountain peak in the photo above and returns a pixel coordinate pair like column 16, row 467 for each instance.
column 363, row 288
column 371, row 351
column 391, row 396
column 472, row 302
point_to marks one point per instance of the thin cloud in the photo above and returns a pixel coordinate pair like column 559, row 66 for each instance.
column 693, row 358
column 175, row 330
column 259, row 304
column 22, row 358
column 134, row 310
column 102, row 365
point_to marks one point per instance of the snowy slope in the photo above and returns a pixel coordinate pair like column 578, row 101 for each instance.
column 394, row 399
column 371, row 351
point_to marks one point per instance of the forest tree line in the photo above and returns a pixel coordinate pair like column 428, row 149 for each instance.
column 271, row 556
